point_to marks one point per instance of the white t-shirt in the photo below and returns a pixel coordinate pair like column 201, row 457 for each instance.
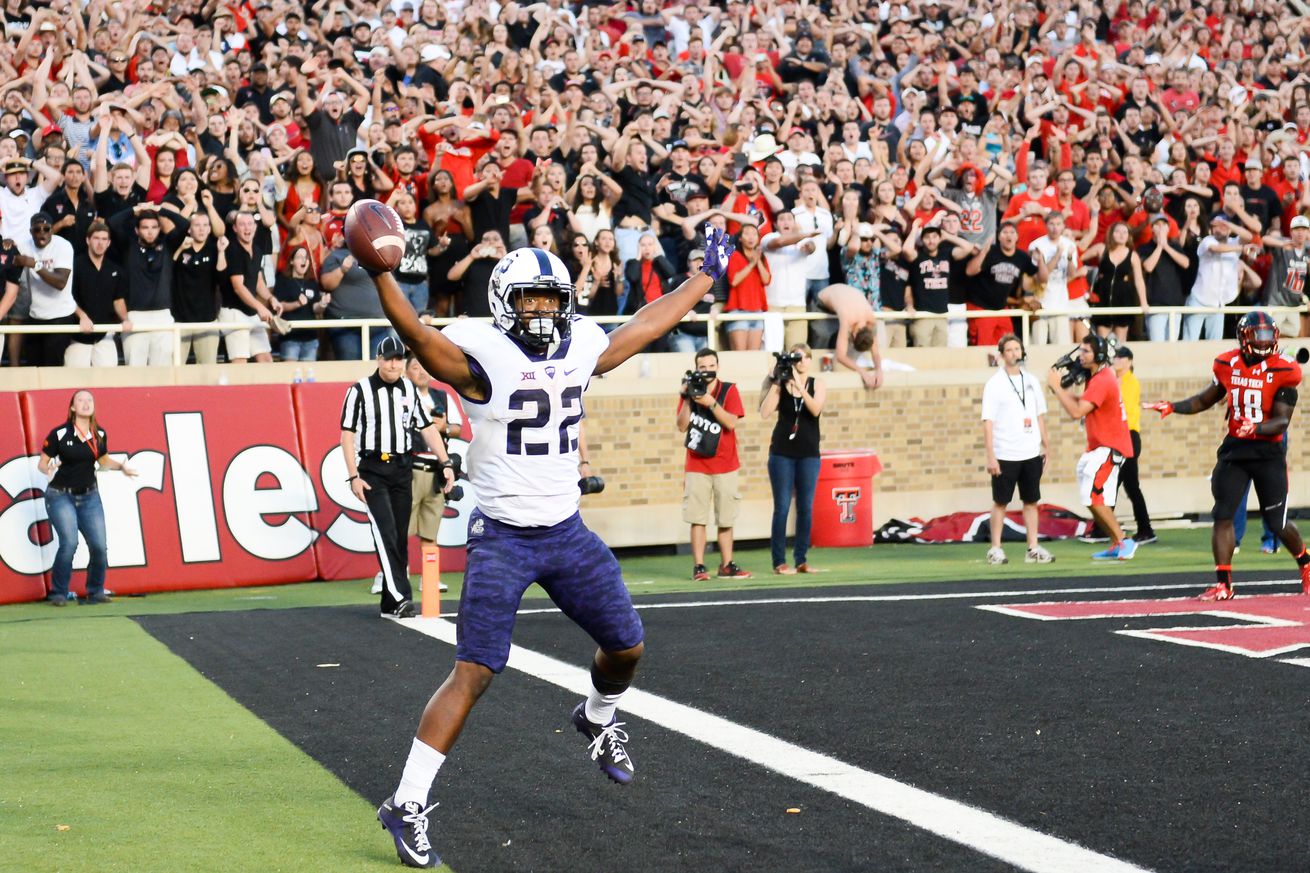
column 1012, row 404
column 1217, row 274
column 788, row 265
column 523, row 459
column 1062, row 259
column 16, row 211
column 816, row 264
column 48, row 301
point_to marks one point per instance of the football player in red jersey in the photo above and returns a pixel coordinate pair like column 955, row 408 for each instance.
column 1260, row 385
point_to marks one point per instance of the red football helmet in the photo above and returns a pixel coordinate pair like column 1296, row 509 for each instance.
column 1257, row 336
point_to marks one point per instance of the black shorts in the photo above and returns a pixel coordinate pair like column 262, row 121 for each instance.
column 1026, row 474
column 1229, row 481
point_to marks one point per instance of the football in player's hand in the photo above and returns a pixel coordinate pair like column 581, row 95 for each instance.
column 375, row 236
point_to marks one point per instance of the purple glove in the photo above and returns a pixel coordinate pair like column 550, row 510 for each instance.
column 719, row 246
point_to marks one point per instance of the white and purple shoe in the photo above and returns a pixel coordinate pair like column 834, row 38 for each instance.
column 408, row 824
column 606, row 745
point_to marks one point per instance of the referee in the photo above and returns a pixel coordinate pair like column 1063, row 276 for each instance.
column 381, row 411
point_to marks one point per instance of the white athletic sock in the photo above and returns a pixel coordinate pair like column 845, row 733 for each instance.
column 600, row 708
column 420, row 772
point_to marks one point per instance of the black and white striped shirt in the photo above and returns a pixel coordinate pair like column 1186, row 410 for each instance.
column 382, row 414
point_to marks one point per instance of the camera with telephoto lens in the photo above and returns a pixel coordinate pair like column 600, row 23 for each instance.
column 695, row 383
column 1074, row 371
column 784, row 366
column 591, row 484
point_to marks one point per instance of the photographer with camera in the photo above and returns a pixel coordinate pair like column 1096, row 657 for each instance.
column 798, row 400
column 1101, row 409
column 708, row 411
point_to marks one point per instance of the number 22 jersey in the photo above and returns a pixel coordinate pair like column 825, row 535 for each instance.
column 1251, row 390
column 523, row 460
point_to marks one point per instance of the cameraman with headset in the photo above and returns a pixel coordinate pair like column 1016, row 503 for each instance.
column 798, row 400
column 1101, row 410
column 708, row 411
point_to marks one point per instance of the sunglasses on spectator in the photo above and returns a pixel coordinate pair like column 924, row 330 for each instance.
column 118, row 60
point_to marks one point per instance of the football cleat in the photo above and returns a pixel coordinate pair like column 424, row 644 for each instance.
column 730, row 570
column 1110, row 554
column 606, row 747
column 408, row 824
column 1218, row 591
column 1038, row 555
column 1127, row 549
column 699, row 573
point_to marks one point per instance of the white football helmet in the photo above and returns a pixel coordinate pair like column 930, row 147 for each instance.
column 531, row 269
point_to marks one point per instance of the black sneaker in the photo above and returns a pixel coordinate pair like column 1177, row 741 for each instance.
column 404, row 609
column 699, row 573
column 606, row 745
column 408, row 824
column 1146, row 540
column 1093, row 539
column 98, row 597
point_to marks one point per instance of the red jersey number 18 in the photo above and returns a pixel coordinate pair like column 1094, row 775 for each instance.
column 1253, row 408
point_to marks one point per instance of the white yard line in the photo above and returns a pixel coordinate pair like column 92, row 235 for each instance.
column 979, row 830
column 899, row 598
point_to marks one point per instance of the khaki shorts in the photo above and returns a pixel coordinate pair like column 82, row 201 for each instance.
column 702, row 490
column 244, row 342
column 426, row 506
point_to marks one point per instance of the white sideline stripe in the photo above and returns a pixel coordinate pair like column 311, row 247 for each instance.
column 979, row 830
column 898, row 598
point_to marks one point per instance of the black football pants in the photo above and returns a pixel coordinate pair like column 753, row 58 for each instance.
column 388, row 499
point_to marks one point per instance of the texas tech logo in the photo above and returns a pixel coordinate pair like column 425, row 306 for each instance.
column 847, row 499
column 1263, row 626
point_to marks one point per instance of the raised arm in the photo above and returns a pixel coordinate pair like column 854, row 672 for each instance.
column 659, row 316
column 441, row 357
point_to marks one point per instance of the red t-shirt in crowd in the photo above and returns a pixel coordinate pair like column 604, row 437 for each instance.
column 1107, row 424
column 749, row 294
column 1034, row 226
column 725, row 457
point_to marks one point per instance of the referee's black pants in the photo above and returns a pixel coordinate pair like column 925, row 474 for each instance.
column 388, row 500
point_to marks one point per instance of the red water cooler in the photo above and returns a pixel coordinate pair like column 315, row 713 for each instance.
column 843, row 501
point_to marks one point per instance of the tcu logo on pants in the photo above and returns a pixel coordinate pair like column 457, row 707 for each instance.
column 847, row 499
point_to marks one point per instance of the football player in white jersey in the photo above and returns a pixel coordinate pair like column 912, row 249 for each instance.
column 523, row 378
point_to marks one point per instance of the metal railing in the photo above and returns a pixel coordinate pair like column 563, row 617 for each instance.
column 711, row 320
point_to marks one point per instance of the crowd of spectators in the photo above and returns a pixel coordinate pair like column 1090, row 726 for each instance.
column 194, row 161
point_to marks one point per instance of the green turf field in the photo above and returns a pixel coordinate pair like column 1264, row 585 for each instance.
column 120, row 757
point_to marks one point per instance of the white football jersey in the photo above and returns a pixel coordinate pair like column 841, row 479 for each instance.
column 523, row 461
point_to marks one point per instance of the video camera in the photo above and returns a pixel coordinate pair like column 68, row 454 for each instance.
column 696, row 382
column 784, row 366
column 1074, row 373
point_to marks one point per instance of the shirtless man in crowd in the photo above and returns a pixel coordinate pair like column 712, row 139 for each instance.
column 857, row 328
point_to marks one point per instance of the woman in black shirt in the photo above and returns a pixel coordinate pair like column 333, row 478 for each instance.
column 301, row 297
column 793, row 454
column 72, row 500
